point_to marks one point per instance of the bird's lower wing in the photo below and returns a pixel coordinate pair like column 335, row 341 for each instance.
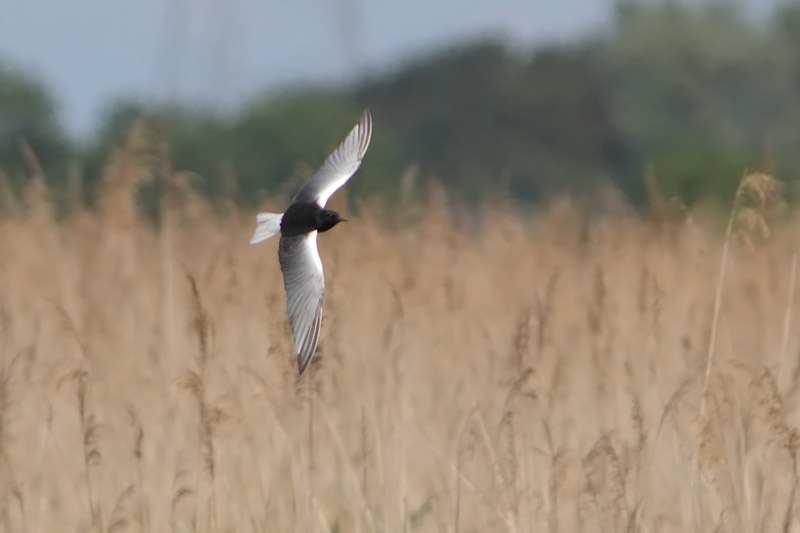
column 304, row 282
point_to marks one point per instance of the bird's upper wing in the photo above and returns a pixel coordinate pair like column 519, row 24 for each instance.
column 340, row 165
column 305, row 289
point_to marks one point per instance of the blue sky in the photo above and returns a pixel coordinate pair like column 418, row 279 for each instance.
column 218, row 52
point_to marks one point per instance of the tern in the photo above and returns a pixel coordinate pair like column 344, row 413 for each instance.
column 306, row 216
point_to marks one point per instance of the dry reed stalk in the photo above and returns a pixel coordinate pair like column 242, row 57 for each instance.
column 310, row 480
column 714, row 468
column 522, row 340
column 552, row 486
column 89, row 426
column 10, row 377
column 353, row 477
column 37, row 199
column 510, row 511
column 464, row 452
column 118, row 521
column 11, row 491
column 37, row 190
column 790, row 516
column 544, row 310
column 180, row 492
column 166, row 251
column 127, row 169
column 744, row 184
column 605, row 483
column 91, row 450
column 766, row 396
column 762, row 188
column 640, row 461
column 195, row 381
column 11, row 374
column 787, row 321
column 138, row 439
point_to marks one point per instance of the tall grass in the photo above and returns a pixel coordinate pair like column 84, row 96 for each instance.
column 542, row 374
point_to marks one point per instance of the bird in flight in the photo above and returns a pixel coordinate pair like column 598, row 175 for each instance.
column 303, row 278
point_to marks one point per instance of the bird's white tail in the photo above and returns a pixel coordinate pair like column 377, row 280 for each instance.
column 269, row 224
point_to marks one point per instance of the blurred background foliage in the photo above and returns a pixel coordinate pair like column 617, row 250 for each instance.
column 696, row 94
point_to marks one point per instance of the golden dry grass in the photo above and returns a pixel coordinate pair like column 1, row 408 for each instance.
column 520, row 375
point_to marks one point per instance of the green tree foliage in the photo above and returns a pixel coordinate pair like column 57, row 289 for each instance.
column 191, row 139
column 28, row 115
column 699, row 94
column 695, row 92
column 481, row 117
column 268, row 148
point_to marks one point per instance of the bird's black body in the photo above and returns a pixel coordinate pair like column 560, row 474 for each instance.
column 304, row 217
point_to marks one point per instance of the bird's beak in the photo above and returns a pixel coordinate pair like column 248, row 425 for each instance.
column 342, row 220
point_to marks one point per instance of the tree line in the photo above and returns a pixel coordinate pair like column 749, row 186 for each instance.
column 695, row 95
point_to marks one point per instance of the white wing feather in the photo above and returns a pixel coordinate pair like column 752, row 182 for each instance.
column 340, row 165
column 304, row 282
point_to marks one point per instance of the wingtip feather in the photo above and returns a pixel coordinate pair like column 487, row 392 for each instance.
column 302, row 363
column 365, row 134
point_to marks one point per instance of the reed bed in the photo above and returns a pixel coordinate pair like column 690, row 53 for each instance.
column 494, row 373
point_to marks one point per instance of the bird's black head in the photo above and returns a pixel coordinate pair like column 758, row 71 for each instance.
column 326, row 219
